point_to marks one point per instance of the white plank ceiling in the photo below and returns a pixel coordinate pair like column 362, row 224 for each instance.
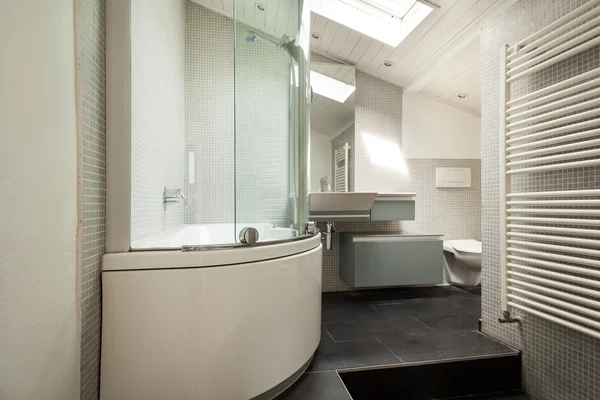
column 413, row 56
column 461, row 74
column 279, row 17
column 411, row 60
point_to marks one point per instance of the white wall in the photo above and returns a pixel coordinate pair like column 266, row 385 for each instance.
column 431, row 129
column 157, row 113
column 320, row 160
column 39, row 340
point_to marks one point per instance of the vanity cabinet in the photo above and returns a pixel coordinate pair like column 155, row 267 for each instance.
column 393, row 209
column 372, row 260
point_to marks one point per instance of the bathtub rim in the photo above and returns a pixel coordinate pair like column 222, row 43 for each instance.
column 214, row 257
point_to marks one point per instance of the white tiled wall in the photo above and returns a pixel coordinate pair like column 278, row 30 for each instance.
column 93, row 44
column 558, row 363
column 378, row 113
column 157, row 113
column 455, row 213
column 242, row 164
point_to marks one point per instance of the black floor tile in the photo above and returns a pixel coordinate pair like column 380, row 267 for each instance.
column 407, row 383
column 359, row 353
column 390, row 295
column 325, row 336
column 472, row 304
column 487, row 375
column 348, row 312
column 517, row 395
column 442, row 346
column 372, row 329
column 461, row 322
column 417, row 308
column 317, row 386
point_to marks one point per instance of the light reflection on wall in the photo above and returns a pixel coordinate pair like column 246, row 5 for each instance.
column 385, row 153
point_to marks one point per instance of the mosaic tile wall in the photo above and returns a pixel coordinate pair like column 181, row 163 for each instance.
column 242, row 171
column 93, row 43
column 157, row 114
column 455, row 213
column 558, row 363
column 378, row 114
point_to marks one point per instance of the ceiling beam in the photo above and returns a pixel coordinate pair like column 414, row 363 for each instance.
column 432, row 67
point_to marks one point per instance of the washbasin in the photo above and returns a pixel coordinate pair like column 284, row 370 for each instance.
column 336, row 202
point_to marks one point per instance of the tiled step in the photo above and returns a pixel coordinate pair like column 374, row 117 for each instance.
column 435, row 380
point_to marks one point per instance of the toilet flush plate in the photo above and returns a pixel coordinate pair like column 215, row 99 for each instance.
column 452, row 177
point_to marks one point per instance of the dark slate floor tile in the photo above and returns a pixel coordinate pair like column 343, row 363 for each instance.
column 518, row 395
column 372, row 329
column 461, row 322
column 317, row 386
column 468, row 292
column 489, row 375
column 468, row 304
column 348, row 312
column 417, row 308
column 441, row 346
column 390, row 295
column 359, row 353
column 425, row 382
column 374, row 296
column 325, row 336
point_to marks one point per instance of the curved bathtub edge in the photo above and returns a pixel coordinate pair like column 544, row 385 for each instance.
column 166, row 259
column 272, row 393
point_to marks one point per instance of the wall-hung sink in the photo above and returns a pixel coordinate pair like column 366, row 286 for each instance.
column 333, row 206
column 361, row 206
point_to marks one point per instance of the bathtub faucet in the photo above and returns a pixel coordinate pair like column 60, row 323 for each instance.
column 173, row 196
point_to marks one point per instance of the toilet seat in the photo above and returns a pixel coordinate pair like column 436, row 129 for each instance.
column 467, row 246
column 462, row 262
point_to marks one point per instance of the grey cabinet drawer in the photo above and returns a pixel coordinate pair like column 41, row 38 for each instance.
column 387, row 210
column 390, row 260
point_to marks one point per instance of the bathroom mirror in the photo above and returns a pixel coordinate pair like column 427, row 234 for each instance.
column 332, row 125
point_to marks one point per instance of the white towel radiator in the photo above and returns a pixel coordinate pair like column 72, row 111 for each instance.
column 550, row 240
column 341, row 168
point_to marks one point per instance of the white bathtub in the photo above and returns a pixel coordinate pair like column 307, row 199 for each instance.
column 237, row 323
column 208, row 234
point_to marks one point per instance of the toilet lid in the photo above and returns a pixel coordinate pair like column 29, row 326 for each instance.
column 467, row 246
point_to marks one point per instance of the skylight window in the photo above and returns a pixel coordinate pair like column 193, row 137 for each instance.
column 330, row 87
column 388, row 21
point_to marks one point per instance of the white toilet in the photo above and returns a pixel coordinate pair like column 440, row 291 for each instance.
column 462, row 262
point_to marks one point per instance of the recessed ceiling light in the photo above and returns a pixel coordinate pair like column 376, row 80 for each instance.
column 260, row 6
column 462, row 96
column 388, row 21
column 315, row 35
column 388, row 63
column 330, row 87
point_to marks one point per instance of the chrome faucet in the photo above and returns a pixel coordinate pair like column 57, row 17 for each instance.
column 173, row 196
column 325, row 187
